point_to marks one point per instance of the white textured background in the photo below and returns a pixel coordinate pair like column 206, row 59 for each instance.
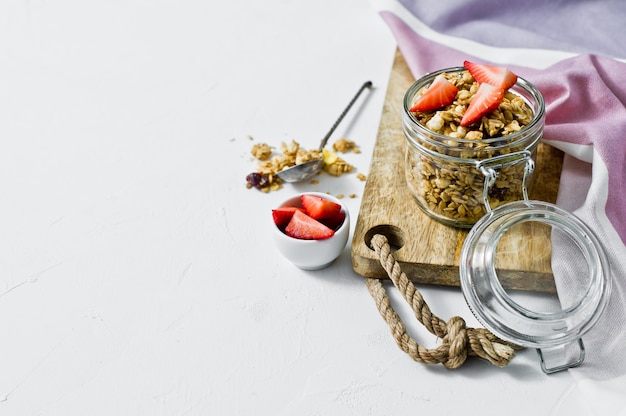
column 137, row 274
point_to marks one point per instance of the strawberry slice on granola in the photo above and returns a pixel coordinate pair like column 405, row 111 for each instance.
column 439, row 94
column 498, row 76
column 486, row 99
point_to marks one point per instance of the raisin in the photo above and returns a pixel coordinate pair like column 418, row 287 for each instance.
column 258, row 180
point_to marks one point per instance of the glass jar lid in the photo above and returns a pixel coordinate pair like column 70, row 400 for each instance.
column 578, row 265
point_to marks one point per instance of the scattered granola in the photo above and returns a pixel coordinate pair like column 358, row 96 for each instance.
column 291, row 154
column 344, row 145
column 261, row 151
column 335, row 165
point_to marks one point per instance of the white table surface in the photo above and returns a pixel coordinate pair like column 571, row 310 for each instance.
column 137, row 273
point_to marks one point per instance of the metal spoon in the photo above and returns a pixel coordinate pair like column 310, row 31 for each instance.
column 306, row 170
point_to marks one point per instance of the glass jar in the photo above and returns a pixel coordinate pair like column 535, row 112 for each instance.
column 553, row 324
column 483, row 185
column 443, row 172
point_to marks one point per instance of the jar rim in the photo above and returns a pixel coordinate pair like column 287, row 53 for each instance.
column 521, row 84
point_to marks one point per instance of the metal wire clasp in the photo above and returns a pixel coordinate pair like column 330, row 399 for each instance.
column 489, row 167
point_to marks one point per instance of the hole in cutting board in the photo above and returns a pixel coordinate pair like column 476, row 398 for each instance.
column 395, row 236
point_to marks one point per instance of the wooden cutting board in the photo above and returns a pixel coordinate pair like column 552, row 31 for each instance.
column 427, row 250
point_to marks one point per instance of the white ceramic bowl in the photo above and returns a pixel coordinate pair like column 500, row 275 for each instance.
column 312, row 254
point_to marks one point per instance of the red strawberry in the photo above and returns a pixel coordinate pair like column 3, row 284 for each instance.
column 283, row 215
column 317, row 207
column 486, row 99
column 334, row 222
column 498, row 76
column 306, row 228
column 439, row 94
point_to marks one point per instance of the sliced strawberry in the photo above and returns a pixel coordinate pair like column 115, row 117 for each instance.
column 283, row 215
column 317, row 207
column 306, row 228
column 439, row 94
column 498, row 76
column 334, row 222
column 486, row 99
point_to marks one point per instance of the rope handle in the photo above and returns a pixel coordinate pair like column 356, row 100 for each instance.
column 457, row 341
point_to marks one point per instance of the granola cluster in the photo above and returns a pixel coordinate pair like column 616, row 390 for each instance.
column 291, row 154
column 452, row 190
column 344, row 145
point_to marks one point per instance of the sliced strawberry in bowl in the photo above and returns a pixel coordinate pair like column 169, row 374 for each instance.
column 310, row 243
column 318, row 207
column 306, row 228
column 439, row 94
column 334, row 222
column 283, row 215
column 498, row 76
column 486, row 99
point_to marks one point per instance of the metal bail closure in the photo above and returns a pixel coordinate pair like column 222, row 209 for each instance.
column 555, row 359
column 488, row 167
column 566, row 258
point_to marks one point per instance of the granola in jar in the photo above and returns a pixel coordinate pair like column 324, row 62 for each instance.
column 445, row 142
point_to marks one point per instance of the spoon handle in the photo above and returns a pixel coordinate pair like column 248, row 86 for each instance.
column 367, row 84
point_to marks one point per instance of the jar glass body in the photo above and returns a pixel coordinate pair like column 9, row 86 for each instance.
column 580, row 270
column 442, row 172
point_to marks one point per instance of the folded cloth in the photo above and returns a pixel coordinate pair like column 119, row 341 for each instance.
column 575, row 26
column 585, row 110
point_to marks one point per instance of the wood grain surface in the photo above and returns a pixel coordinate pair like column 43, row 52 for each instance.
column 427, row 250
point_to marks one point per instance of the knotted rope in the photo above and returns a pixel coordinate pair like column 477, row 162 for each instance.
column 457, row 341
